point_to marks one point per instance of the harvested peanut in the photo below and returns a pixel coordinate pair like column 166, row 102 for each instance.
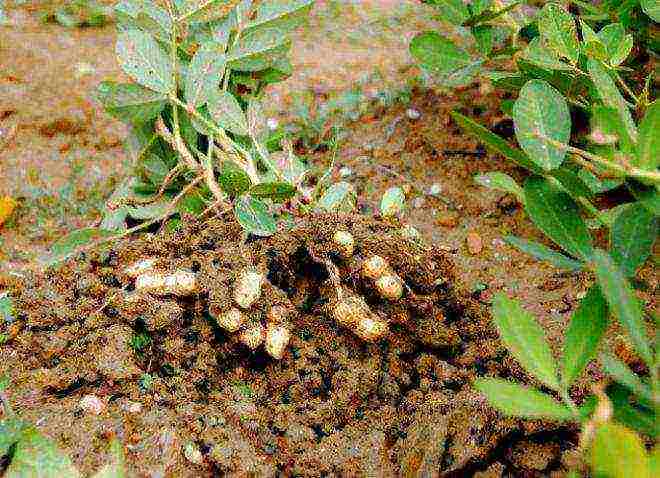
column 232, row 320
column 140, row 267
column 277, row 339
column 248, row 288
column 390, row 287
column 345, row 241
column 371, row 328
column 374, row 267
column 349, row 311
column 181, row 283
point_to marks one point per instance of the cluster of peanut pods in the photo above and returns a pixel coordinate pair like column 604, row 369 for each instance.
column 348, row 310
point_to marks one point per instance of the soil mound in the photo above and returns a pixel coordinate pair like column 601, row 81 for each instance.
column 338, row 348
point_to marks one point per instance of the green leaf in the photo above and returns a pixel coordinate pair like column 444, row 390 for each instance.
column 233, row 179
column 37, row 456
column 623, row 303
column 68, row 245
column 587, row 327
column 538, row 55
column 11, row 431
column 7, row 312
column 483, row 36
column 610, row 96
column 438, row 54
column 501, row 182
column 648, row 146
column 631, row 412
column 226, row 111
column 652, row 9
column 206, row 10
column 617, row 43
column 340, row 197
column 143, row 15
column 606, row 123
column 622, row 374
column 572, row 183
column 556, row 214
column 632, row 236
column 284, row 15
column 617, row 452
column 130, row 102
column 557, row 29
column 254, row 216
column 593, row 47
column 495, row 143
column 539, row 113
column 516, row 400
column 204, row 73
column 524, row 339
column 544, row 253
column 258, row 49
column 392, row 202
column 145, row 61
column 452, row 11
column 289, row 166
column 149, row 211
column 277, row 192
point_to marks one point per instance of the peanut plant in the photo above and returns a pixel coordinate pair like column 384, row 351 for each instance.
column 558, row 64
column 199, row 143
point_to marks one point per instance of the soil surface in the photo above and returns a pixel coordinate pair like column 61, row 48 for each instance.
column 188, row 399
column 334, row 405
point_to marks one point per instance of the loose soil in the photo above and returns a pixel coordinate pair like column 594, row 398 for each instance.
column 334, row 405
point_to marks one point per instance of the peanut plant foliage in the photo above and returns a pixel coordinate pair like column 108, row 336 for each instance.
column 556, row 62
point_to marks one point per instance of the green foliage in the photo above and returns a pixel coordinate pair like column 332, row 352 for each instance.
column 198, row 138
column 525, row 340
column 564, row 64
column 515, row 400
column 7, row 312
column 78, row 13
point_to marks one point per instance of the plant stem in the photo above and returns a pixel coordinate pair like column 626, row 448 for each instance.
column 626, row 88
column 569, row 402
column 581, row 155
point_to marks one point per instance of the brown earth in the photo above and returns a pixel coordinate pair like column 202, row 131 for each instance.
column 402, row 405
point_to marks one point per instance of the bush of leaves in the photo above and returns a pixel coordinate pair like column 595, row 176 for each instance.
column 557, row 62
column 199, row 143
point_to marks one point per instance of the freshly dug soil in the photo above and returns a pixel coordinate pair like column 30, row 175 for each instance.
column 189, row 399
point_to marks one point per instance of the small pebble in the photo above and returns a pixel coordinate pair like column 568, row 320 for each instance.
column 91, row 404
column 192, row 453
column 413, row 114
column 447, row 218
column 131, row 407
column 435, row 189
column 418, row 203
column 474, row 243
column 345, row 172
column 272, row 123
